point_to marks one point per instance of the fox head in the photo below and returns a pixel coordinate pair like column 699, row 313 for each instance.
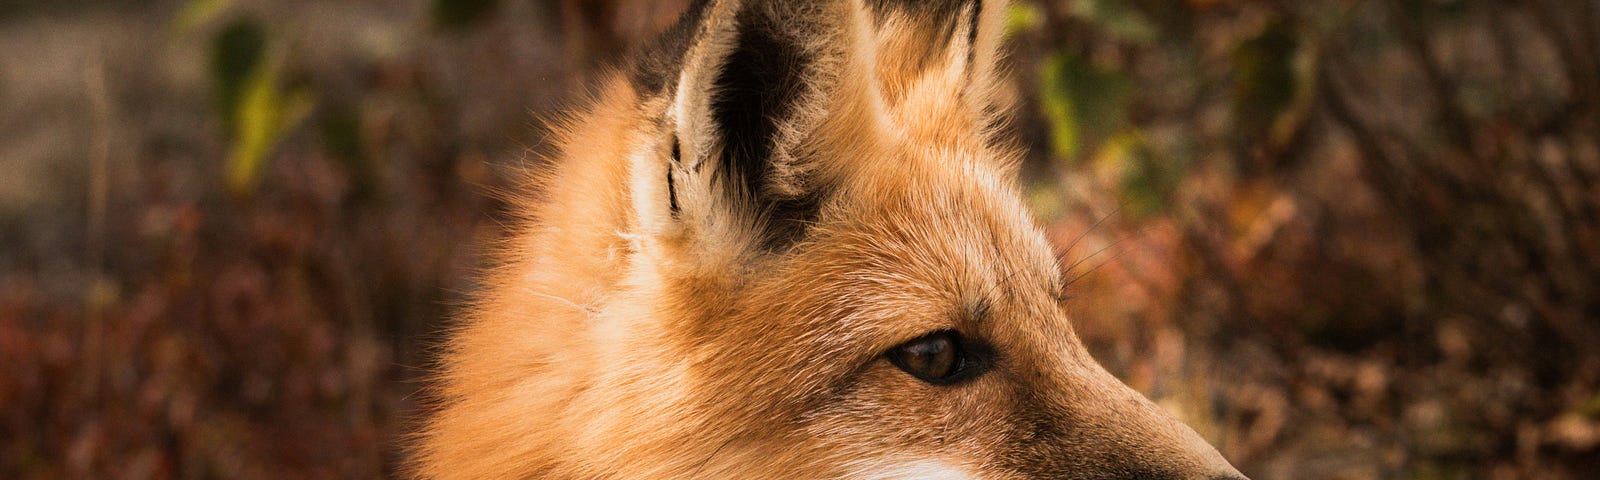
column 785, row 245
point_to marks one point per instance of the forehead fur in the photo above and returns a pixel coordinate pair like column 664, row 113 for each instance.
column 893, row 257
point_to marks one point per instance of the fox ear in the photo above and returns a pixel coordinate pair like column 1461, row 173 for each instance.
column 949, row 46
column 769, row 91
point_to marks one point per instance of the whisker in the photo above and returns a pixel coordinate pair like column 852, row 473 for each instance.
column 1085, row 234
column 1080, row 276
column 1063, row 254
column 1090, row 256
column 1068, row 285
column 1062, row 294
column 1114, row 243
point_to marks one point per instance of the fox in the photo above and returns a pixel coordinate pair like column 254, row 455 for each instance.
column 786, row 240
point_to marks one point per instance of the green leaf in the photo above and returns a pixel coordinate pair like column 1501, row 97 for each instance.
column 1117, row 17
column 341, row 138
column 1084, row 104
column 1147, row 180
column 236, row 54
column 196, row 13
column 1266, row 83
column 460, row 14
column 264, row 115
column 1023, row 17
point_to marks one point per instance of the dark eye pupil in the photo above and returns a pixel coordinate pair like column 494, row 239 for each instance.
column 934, row 358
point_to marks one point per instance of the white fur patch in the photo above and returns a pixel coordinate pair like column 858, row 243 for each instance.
column 913, row 470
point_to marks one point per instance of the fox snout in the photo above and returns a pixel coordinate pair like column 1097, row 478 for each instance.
column 1091, row 426
column 1129, row 457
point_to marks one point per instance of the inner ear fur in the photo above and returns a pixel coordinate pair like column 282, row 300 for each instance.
column 760, row 111
column 939, row 48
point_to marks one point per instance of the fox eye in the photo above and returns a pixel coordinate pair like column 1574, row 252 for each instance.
column 939, row 358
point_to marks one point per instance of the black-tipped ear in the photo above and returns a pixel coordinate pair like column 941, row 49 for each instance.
column 762, row 78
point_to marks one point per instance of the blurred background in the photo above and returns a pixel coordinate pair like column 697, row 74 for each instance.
column 1344, row 239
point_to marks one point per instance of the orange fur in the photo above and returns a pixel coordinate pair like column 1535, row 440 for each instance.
column 642, row 322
